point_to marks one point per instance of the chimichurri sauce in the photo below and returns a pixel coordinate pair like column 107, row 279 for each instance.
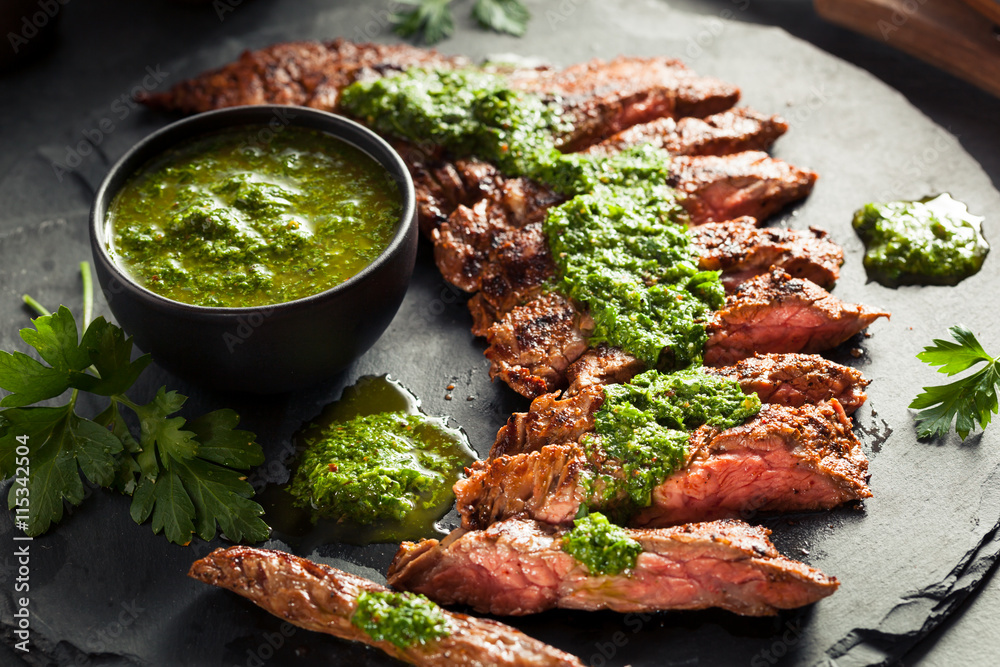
column 601, row 546
column 617, row 243
column 228, row 220
column 403, row 619
column 370, row 468
column 934, row 241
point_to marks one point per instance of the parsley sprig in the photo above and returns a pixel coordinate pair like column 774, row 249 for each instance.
column 433, row 19
column 967, row 401
column 186, row 475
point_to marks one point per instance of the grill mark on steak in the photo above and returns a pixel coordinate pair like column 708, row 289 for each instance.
column 784, row 459
column 323, row 599
column 782, row 379
column 602, row 98
column 730, row 186
column 731, row 131
column 532, row 346
column 741, row 250
column 777, row 313
column 518, row 567
column 310, row 74
column 797, row 379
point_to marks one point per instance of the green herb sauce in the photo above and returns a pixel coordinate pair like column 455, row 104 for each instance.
column 403, row 619
column 618, row 252
column 617, row 246
column 934, row 241
column 601, row 546
column 377, row 467
column 228, row 220
column 642, row 429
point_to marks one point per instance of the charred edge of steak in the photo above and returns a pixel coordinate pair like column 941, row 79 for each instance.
column 742, row 250
column 518, row 567
column 549, row 421
column 784, row 459
column 797, row 379
column 308, row 74
column 727, row 187
column 323, row 599
column 777, row 313
column 731, row 131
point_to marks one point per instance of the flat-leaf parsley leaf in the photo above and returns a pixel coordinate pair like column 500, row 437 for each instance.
column 967, row 401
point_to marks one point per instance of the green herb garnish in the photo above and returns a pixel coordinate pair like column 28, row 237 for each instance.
column 968, row 401
column 433, row 19
column 186, row 475
column 403, row 619
column 601, row 546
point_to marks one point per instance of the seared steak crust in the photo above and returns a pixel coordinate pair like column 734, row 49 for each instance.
column 728, row 187
column 784, row 459
column 777, row 313
column 603, row 98
column 518, row 567
column 309, row 74
column 797, row 379
column 323, row 599
column 602, row 365
column 549, row 421
column 742, row 250
column 530, row 348
column 731, row 131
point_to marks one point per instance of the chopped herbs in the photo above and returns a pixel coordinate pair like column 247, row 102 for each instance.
column 403, row 619
column 601, row 546
column 966, row 402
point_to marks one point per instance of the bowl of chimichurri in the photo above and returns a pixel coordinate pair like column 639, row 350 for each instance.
column 258, row 248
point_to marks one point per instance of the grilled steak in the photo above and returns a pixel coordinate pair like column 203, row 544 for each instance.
column 519, row 567
column 784, row 459
column 741, row 250
column 602, row 98
column 321, row 598
column 777, row 313
column 602, row 365
column 532, row 346
column 309, row 74
column 797, row 379
column 731, row 131
column 728, row 187
column 549, row 421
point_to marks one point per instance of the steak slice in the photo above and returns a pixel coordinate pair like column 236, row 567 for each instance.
column 309, row 74
column 549, row 421
column 731, row 186
column 742, row 250
column 797, row 379
column 731, row 131
column 777, row 313
column 323, row 599
column 518, row 567
column 602, row 98
column 786, row 459
column 602, row 365
column 530, row 348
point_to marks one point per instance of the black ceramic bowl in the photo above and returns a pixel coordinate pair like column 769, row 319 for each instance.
column 265, row 349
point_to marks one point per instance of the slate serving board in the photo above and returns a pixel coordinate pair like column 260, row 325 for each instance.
column 107, row 592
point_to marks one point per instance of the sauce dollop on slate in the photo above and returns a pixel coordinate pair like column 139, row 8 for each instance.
column 933, row 241
column 371, row 468
column 228, row 220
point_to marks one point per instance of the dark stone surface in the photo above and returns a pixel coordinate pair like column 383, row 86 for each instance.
column 105, row 591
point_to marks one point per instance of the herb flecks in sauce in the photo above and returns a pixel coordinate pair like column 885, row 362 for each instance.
column 601, row 546
column 225, row 221
column 618, row 252
column 616, row 244
column 642, row 429
column 402, row 619
column 376, row 463
column 933, row 241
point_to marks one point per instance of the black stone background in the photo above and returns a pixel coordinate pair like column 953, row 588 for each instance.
column 107, row 592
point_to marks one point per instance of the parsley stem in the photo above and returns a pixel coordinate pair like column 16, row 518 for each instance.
column 88, row 293
column 34, row 305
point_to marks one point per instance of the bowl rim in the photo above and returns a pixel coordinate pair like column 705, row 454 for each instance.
column 330, row 123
